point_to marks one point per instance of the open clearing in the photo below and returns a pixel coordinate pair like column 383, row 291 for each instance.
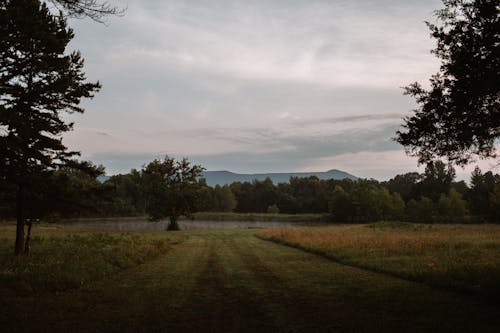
column 232, row 281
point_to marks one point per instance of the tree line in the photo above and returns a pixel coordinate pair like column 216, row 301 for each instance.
column 169, row 189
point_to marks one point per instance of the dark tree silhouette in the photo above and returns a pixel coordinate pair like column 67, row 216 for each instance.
column 93, row 9
column 170, row 189
column 38, row 83
column 458, row 118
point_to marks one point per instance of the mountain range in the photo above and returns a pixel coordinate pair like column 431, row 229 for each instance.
column 226, row 177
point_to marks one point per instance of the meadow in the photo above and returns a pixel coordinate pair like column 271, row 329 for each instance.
column 87, row 280
column 63, row 257
column 465, row 258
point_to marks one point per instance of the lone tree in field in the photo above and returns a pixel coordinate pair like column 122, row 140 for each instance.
column 170, row 189
column 39, row 82
column 458, row 118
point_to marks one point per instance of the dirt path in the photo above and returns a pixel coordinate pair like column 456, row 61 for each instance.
column 231, row 281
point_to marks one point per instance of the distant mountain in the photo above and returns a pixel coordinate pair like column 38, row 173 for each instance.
column 226, row 177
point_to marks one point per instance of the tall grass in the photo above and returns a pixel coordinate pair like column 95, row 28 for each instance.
column 60, row 261
column 460, row 257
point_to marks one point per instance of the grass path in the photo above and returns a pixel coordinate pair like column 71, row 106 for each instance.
column 231, row 281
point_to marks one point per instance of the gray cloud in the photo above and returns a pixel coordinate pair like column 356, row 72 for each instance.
column 250, row 86
column 271, row 150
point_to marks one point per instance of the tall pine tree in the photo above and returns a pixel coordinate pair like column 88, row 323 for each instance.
column 39, row 82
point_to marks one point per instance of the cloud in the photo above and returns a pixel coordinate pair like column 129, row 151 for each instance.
column 326, row 43
column 250, row 86
column 250, row 149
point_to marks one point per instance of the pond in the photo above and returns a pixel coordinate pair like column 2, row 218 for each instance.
column 145, row 225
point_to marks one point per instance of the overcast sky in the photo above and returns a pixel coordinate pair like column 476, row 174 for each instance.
column 254, row 86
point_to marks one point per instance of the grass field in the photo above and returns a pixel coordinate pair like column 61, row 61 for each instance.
column 64, row 257
column 220, row 281
column 460, row 257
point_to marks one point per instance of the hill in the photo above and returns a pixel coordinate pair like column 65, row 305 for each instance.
column 226, row 177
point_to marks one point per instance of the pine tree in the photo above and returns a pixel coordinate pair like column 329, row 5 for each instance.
column 39, row 82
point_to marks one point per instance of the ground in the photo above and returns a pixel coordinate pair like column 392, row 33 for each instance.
column 232, row 281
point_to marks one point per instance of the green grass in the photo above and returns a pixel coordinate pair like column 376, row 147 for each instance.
column 64, row 258
column 229, row 216
column 232, row 281
column 458, row 257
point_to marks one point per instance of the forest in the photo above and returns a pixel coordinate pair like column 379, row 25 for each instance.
column 434, row 196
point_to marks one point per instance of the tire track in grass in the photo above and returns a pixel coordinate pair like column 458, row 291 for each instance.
column 293, row 309
column 216, row 303
column 147, row 298
column 361, row 300
column 231, row 281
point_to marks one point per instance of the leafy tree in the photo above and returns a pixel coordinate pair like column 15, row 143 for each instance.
column 205, row 197
column 340, row 205
column 170, row 189
column 310, row 193
column 287, row 202
column 245, row 196
column 412, row 210
column 422, row 210
column 224, row 199
column 405, row 185
column 38, row 83
column 369, row 201
column 437, row 179
column 264, row 194
column 461, row 187
column 495, row 203
column 397, row 207
column 458, row 118
column 128, row 198
column 71, row 192
column 482, row 187
column 451, row 207
column 273, row 209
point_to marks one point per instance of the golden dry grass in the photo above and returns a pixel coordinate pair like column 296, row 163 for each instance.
column 462, row 257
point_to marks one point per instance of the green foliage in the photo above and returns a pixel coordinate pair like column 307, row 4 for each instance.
column 273, row 209
column 224, row 199
column 397, row 207
column 170, row 189
column 437, row 179
column 405, row 184
column 39, row 82
column 422, row 210
column 340, row 205
column 495, row 203
column 481, row 193
column 127, row 194
column 459, row 116
column 451, row 207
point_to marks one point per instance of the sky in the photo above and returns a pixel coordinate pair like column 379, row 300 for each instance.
column 254, row 86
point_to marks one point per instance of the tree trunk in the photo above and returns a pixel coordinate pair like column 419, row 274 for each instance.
column 173, row 225
column 28, row 236
column 19, row 247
